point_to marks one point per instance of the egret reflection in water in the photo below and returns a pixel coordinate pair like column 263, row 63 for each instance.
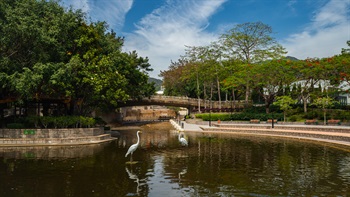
column 183, row 172
column 133, row 176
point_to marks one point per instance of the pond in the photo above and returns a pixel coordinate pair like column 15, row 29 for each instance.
column 212, row 165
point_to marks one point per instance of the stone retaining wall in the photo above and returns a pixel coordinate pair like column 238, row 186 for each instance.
column 340, row 129
column 50, row 133
column 54, row 141
column 283, row 133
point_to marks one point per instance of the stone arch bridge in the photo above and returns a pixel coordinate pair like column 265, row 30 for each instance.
column 190, row 103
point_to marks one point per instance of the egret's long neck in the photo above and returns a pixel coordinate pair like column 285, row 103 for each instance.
column 179, row 136
column 138, row 138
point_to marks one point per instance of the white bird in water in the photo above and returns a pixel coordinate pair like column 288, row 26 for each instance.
column 182, row 140
column 133, row 147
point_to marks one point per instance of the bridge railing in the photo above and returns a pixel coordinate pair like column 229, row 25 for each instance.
column 194, row 102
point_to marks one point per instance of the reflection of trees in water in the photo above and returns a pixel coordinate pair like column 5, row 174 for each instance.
column 51, row 152
column 275, row 167
column 148, row 139
column 272, row 166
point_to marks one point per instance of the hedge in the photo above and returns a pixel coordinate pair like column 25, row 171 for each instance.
column 59, row 121
column 239, row 116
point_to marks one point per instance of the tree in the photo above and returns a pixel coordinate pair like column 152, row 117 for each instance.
column 346, row 50
column 213, row 55
column 309, row 72
column 252, row 43
column 233, row 79
column 324, row 103
column 284, row 102
column 194, row 56
column 342, row 63
column 270, row 78
column 48, row 53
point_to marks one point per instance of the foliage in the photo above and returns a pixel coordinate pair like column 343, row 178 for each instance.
column 295, row 115
column 248, row 61
column 61, row 121
column 50, row 53
column 324, row 103
column 15, row 126
column 239, row 116
column 251, row 43
column 270, row 78
column 284, row 102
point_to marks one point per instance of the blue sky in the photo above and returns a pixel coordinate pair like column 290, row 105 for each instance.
column 160, row 29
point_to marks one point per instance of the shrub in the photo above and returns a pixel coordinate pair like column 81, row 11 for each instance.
column 293, row 118
column 87, row 121
column 45, row 121
column 239, row 116
column 33, row 120
column 100, row 121
column 15, row 126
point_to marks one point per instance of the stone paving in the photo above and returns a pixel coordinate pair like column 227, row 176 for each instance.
column 331, row 134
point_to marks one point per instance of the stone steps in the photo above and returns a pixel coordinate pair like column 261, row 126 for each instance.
column 334, row 134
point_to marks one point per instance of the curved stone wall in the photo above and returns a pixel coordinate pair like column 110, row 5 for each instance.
column 50, row 133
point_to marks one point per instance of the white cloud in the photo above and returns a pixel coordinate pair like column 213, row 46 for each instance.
column 162, row 35
column 77, row 4
column 326, row 34
column 113, row 12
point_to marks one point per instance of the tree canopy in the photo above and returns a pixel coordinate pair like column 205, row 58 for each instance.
column 246, row 63
column 48, row 53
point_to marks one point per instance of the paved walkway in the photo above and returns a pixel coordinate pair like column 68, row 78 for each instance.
column 330, row 134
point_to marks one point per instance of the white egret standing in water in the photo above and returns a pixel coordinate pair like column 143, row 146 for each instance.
column 133, row 147
column 182, row 140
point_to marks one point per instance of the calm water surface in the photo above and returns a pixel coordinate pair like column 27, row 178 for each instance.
column 212, row 165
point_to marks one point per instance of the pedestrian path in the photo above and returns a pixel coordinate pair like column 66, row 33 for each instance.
column 331, row 134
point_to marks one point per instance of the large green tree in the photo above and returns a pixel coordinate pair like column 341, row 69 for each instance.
column 270, row 78
column 252, row 43
column 51, row 53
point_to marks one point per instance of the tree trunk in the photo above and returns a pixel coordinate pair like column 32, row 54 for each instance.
column 46, row 107
column 205, row 95
column 71, row 107
column 219, row 93
column 267, row 106
column 198, row 95
column 305, row 104
column 247, row 93
column 234, row 98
